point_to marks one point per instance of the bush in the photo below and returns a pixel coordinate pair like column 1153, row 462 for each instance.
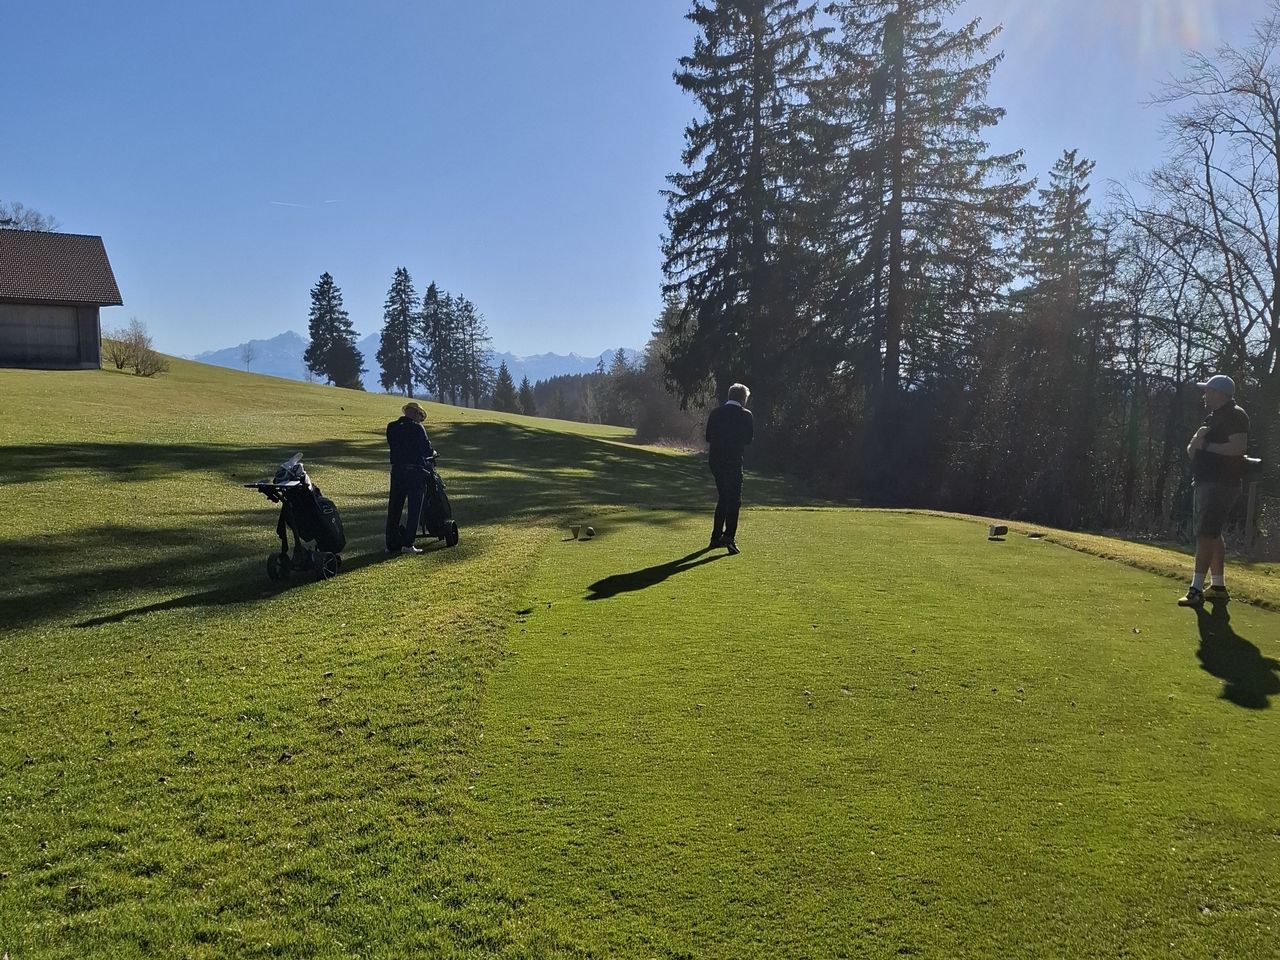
column 132, row 347
column 117, row 348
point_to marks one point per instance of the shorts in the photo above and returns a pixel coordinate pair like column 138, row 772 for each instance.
column 1212, row 503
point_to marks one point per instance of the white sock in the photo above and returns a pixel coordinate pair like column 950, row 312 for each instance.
column 1220, row 580
column 1197, row 581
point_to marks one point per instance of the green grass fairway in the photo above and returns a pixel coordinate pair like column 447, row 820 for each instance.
column 872, row 734
column 879, row 735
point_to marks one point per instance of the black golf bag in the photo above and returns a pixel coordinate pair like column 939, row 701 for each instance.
column 437, row 515
column 318, row 537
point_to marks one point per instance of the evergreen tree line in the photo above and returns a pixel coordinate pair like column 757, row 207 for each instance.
column 436, row 345
column 507, row 398
column 920, row 322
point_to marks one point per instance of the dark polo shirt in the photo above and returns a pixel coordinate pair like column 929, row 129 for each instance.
column 409, row 444
column 1209, row 467
column 729, row 429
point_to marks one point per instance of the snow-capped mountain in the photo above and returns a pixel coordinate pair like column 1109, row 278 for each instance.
column 281, row 356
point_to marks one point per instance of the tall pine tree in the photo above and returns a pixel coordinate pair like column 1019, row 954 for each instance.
column 731, row 214
column 395, row 351
column 451, row 352
column 428, row 342
column 475, row 375
column 933, row 201
column 504, row 391
column 528, row 406
column 332, row 352
column 1066, row 336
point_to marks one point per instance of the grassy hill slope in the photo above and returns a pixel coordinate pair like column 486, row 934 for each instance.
column 531, row 747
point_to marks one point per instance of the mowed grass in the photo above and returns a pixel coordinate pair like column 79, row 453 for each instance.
column 877, row 734
column 873, row 734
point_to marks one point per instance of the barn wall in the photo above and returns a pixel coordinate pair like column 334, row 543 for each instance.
column 90, row 337
column 50, row 336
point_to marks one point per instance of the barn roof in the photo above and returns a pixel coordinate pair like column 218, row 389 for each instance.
column 37, row 266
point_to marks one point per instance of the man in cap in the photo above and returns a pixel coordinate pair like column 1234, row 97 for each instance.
column 1217, row 454
column 411, row 455
column 729, row 430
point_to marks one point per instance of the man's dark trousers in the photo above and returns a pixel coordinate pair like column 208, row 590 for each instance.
column 408, row 482
column 729, row 489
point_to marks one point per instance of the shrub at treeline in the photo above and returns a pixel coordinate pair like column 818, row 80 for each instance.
column 920, row 324
column 624, row 395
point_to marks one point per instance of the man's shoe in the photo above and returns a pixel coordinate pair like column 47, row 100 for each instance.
column 1217, row 594
column 732, row 548
column 717, row 540
column 1194, row 598
column 410, row 549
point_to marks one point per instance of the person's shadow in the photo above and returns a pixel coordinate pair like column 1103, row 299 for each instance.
column 1249, row 678
column 649, row 576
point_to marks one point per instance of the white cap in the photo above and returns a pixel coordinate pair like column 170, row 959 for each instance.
column 1221, row 383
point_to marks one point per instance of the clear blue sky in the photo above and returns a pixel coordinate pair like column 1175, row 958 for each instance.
column 512, row 151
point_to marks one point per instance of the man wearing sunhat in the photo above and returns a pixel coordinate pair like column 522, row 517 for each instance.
column 411, row 455
column 1217, row 454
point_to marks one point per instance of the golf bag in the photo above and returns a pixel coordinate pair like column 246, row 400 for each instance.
column 437, row 515
column 313, row 519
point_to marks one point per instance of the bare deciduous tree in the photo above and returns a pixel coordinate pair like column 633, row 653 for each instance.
column 132, row 347
column 16, row 216
column 1216, row 209
column 117, row 347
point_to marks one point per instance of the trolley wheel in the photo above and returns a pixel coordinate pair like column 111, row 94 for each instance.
column 327, row 565
column 277, row 567
column 451, row 534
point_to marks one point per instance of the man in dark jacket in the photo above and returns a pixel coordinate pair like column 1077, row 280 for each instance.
column 729, row 430
column 1217, row 453
column 411, row 455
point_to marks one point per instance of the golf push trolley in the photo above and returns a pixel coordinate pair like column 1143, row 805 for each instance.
column 318, row 537
column 437, row 515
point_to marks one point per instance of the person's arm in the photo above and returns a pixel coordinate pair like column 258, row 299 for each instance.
column 1197, row 441
column 751, row 426
column 1236, row 446
column 710, row 420
column 428, row 450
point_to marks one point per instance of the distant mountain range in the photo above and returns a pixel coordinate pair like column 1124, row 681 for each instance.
column 281, row 356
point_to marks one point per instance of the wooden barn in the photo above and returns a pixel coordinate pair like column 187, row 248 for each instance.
column 51, row 288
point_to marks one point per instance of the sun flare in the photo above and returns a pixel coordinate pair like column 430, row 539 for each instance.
column 1150, row 27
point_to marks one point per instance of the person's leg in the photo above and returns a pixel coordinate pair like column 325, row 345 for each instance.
column 1205, row 551
column 717, row 529
column 417, row 491
column 1200, row 524
column 733, row 492
column 395, row 505
column 1218, row 561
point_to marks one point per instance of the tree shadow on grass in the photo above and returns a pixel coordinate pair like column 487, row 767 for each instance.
column 245, row 589
column 650, row 576
column 198, row 553
column 171, row 560
column 1249, row 678
column 136, row 461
